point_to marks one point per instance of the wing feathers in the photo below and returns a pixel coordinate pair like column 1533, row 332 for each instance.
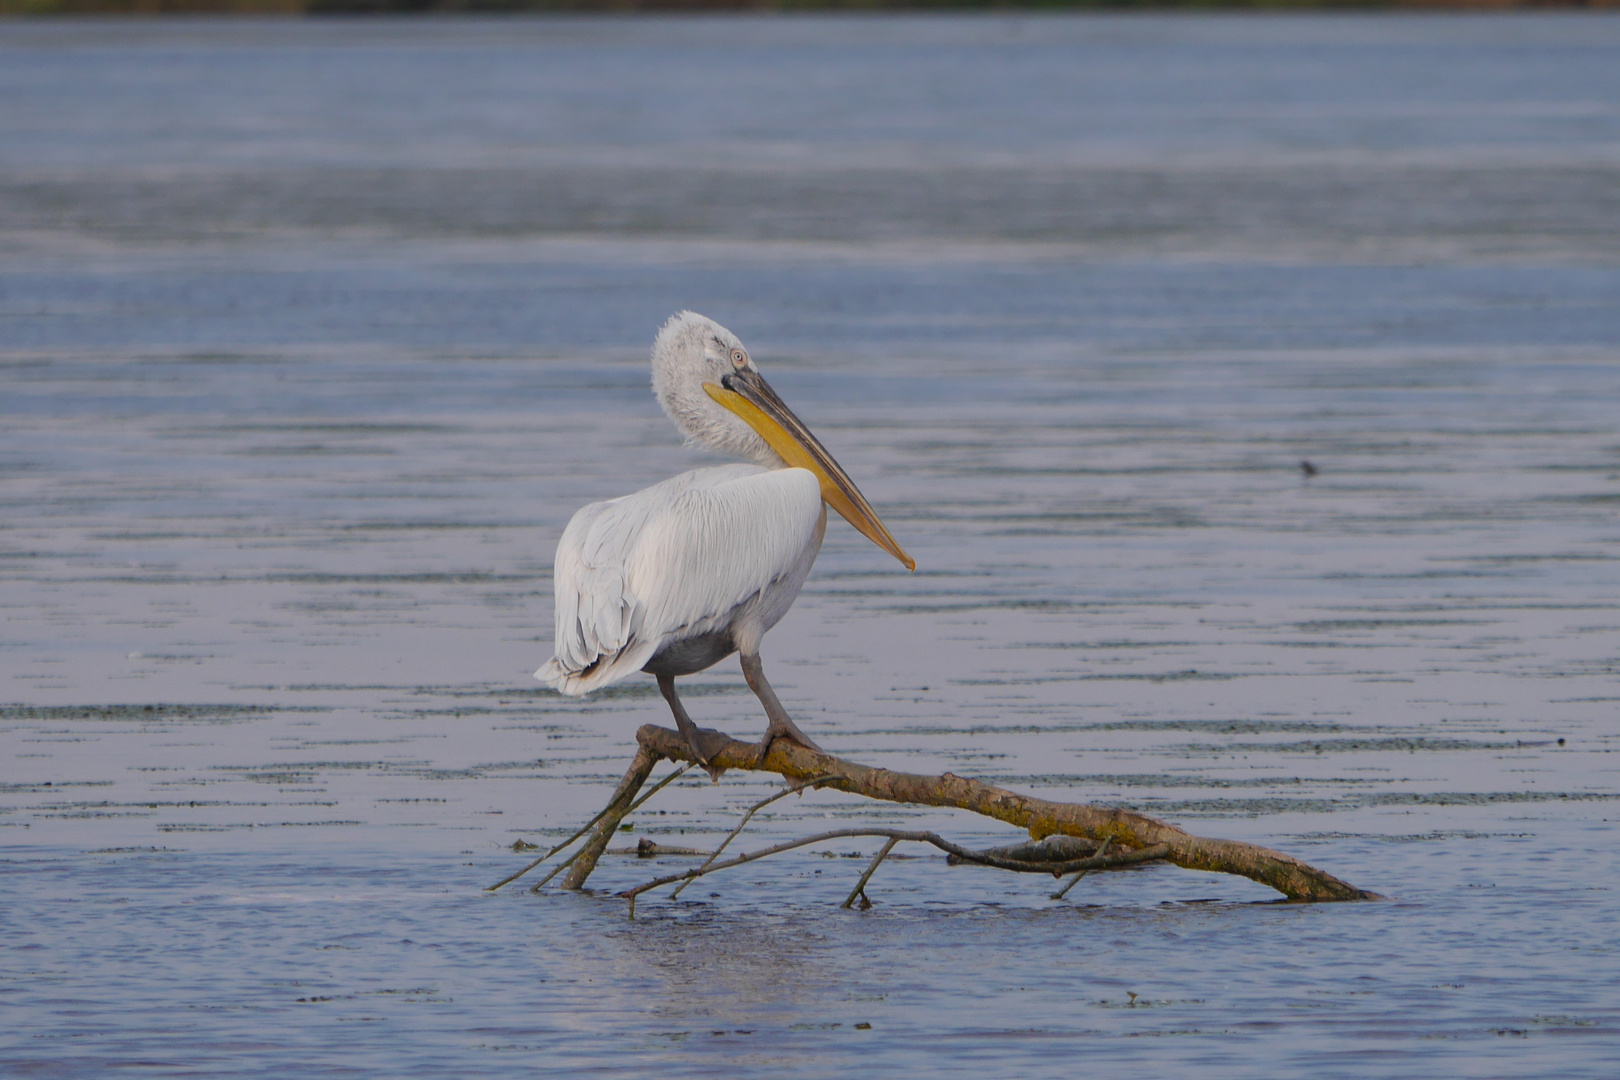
column 672, row 561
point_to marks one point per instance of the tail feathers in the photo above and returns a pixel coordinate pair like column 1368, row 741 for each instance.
column 604, row 671
column 552, row 674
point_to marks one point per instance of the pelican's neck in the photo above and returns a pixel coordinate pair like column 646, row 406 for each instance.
column 707, row 424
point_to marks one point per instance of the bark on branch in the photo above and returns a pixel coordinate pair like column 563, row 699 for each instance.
column 1128, row 831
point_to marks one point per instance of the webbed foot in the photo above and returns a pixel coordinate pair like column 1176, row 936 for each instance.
column 785, row 730
column 706, row 744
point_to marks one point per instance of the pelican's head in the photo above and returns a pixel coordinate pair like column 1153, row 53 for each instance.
column 709, row 386
column 691, row 351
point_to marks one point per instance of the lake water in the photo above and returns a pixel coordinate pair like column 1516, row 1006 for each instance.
column 314, row 334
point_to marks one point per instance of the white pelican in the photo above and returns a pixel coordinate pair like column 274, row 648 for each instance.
column 678, row 576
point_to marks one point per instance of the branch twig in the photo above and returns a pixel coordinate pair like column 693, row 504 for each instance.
column 1061, row 893
column 1158, row 851
column 762, row 804
column 860, row 886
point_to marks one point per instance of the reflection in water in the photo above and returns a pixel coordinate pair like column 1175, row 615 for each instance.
column 735, row 972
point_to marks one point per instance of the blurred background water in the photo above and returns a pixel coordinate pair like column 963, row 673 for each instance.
column 314, row 334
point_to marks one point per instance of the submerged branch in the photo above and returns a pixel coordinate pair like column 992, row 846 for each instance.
column 1052, row 849
column 640, row 769
column 894, row 836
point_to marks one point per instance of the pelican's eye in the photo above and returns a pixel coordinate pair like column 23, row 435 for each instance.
column 739, row 358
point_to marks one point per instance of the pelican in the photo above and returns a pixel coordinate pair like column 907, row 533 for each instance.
column 680, row 575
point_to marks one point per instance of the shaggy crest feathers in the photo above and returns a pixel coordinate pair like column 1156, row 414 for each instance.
column 689, row 351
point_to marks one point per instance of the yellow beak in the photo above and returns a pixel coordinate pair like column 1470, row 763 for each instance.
column 748, row 395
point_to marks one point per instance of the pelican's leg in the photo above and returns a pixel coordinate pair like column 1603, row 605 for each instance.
column 704, row 742
column 782, row 725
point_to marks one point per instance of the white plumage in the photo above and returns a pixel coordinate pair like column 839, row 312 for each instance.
column 680, row 559
column 677, row 576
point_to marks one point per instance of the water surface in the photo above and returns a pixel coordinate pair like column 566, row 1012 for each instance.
column 313, row 335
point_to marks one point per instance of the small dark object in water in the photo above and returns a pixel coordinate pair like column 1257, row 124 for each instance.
column 1307, row 469
column 647, row 848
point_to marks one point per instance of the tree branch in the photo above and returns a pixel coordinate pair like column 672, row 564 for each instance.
column 607, row 824
column 1040, row 817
